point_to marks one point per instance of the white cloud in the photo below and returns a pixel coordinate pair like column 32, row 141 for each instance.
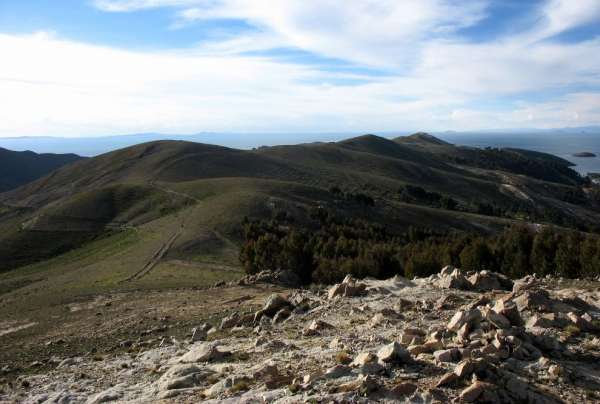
column 562, row 15
column 50, row 85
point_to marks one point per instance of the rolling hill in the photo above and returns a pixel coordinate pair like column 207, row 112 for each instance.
column 167, row 213
column 18, row 168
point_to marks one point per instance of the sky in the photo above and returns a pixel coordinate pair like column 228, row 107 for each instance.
column 104, row 67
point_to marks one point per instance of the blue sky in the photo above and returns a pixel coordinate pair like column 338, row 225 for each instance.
column 101, row 67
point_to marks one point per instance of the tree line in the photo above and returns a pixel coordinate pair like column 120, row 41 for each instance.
column 330, row 247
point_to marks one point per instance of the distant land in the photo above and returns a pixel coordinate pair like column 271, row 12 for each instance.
column 562, row 142
column 584, row 154
column 19, row 168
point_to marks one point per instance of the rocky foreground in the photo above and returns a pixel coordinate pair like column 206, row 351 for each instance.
column 475, row 337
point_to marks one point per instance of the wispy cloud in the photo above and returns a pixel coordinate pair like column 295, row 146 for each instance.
column 436, row 77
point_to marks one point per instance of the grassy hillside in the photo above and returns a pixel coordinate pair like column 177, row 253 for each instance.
column 168, row 214
column 19, row 168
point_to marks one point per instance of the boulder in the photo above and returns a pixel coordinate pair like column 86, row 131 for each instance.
column 475, row 391
column 508, row 308
column 364, row 385
column 274, row 303
column 547, row 320
column 338, row 371
column 281, row 315
column 198, row 334
column 111, row 394
column 447, row 270
column 528, row 282
column 182, row 377
column 447, row 379
column 230, row 321
column 316, row 326
column 348, row 288
column 464, row 317
column 402, row 389
column 447, row 355
column 581, row 322
column 269, row 374
column 205, row 352
column 456, row 280
column 364, row 357
column 393, row 352
column 538, row 300
column 485, row 281
column 496, row 319
column 464, row 368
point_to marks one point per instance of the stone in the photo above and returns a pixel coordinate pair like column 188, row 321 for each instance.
column 316, row 326
column 447, row 270
column 508, row 309
column 555, row 371
column 338, row 371
column 205, row 352
column 198, row 334
column 541, row 321
column 462, row 317
column 403, row 389
column 364, row 385
column 475, row 390
column 464, row 368
column 274, row 303
column 348, row 288
column 580, row 322
column 447, row 355
column 538, row 300
column 270, row 375
column 111, row 394
column 219, row 387
column 393, row 352
column 528, row 282
column 181, row 377
column 372, row 368
column 364, row 357
column 497, row 320
column 281, row 315
column 484, row 281
column 312, row 377
column 229, row 321
column 447, row 379
column 456, row 280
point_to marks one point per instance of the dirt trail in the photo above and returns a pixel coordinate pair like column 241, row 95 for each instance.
column 164, row 249
column 158, row 255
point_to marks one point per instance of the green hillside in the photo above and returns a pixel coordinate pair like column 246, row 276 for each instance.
column 169, row 213
column 18, row 168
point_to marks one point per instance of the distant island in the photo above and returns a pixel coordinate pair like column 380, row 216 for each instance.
column 584, row 154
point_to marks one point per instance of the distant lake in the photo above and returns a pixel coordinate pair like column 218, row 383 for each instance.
column 560, row 144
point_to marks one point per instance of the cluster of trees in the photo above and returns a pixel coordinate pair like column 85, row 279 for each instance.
column 415, row 194
column 357, row 197
column 524, row 162
column 333, row 247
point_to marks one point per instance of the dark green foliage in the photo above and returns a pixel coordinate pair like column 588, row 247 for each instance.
column 359, row 197
column 330, row 248
column 415, row 194
column 525, row 162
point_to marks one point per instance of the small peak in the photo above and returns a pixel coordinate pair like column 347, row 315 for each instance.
column 423, row 137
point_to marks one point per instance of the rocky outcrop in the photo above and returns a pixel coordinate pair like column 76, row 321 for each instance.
column 453, row 337
column 349, row 287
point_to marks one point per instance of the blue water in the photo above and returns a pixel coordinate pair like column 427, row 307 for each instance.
column 563, row 143
column 560, row 144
